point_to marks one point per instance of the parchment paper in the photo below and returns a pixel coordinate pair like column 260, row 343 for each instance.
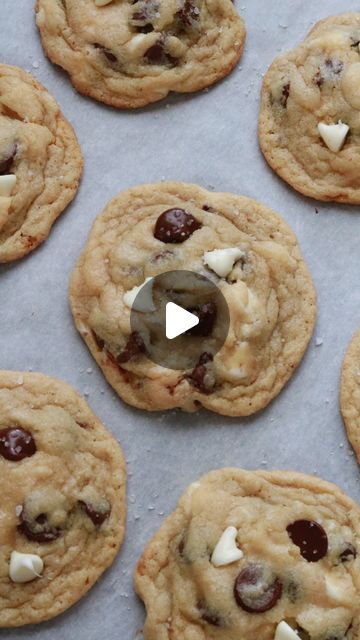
column 210, row 139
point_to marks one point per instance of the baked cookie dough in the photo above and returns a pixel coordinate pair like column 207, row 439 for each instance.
column 248, row 251
column 63, row 509
column 40, row 163
column 130, row 53
column 255, row 555
column 350, row 392
column 310, row 112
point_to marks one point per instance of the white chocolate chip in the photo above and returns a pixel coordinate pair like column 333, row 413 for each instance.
column 102, row 3
column 226, row 551
column 25, row 567
column 145, row 302
column 335, row 590
column 7, row 183
column 285, row 632
column 334, row 135
column 221, row 261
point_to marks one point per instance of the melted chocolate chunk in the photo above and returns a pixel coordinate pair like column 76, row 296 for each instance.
column 7, row 160
column 257, row 590
column 328, row 71
column 162, row 255
column 348, row 554
column 97, row 517
column 311, row 539
column 134, row 346
column 200, row 377
column 355, row 42
column 38, row 530
column 210, row 617
column 285, row 95
column 189, row 14
column 100, row 343
column 175, row 226
column 109, row 55
column 157, row 54
column 16, row 444
column 207, row 317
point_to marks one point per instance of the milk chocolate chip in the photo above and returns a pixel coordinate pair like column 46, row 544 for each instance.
column 256, row 589
column 175, row 226
column 311, row 539
column 16, row 444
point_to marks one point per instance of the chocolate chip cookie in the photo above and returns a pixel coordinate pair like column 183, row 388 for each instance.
column 350, row 392
column 63, row 498
column 310, row 112
column 130, row 53
column 255, row 555
column 40, row 163
column 247, row 251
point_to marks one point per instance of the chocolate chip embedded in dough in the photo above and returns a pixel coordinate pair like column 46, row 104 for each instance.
column 257, row 589
column 175, row 226
column 16, row 444
column 311, row 539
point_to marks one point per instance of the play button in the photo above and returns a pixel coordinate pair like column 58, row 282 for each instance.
column 178, row 320
column 180, row 316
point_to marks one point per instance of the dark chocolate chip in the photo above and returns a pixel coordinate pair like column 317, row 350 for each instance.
column 97, row 517
column 157, row 54
column 16, row 444
column 134, row 347
column 189, row 14
column 285, row 95
column 175, row 226
column 348, row 554
column 7, row 160
column 328, row 71
column 162, row 255
column 201, row 378
column 210, row 617
column 311, row 539
column 207, row 317
column 256, row 589
column 100, row 343
column 38, row 530
column 109, row 55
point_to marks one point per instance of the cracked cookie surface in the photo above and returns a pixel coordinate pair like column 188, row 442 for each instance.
column 310, row 112
column 129, row 54
column 153, row 229
column 63, row 495
column 350, row 392
column 40, row 163
column 192, row 593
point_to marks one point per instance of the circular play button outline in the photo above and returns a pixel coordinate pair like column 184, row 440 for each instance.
column 180, row 315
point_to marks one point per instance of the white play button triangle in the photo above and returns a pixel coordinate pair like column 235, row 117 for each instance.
column 178, row 320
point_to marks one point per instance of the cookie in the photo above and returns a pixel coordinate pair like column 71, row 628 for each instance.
column 130, row 53
column 40, row 163
column 63, row 498
column 310, row 119
column 250, row 254
column 350, row 393
column 270, row 555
